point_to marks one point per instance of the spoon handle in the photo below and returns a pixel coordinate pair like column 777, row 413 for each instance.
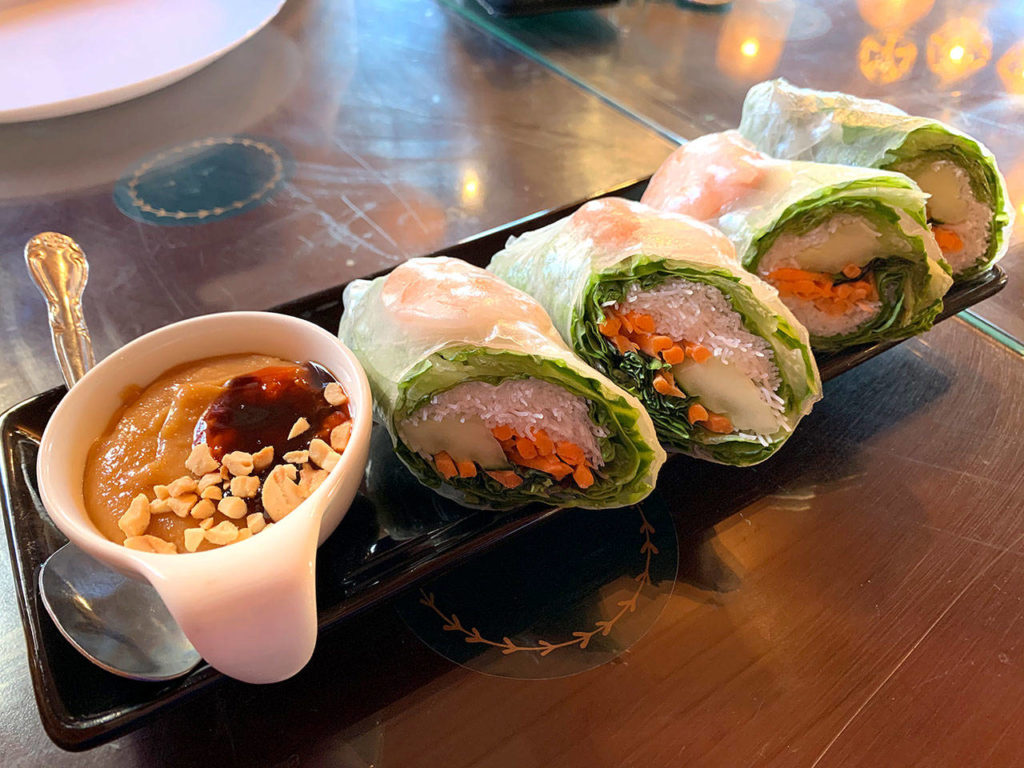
column 59, row 269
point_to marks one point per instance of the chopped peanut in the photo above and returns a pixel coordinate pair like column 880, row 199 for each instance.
column 214, row 493
column 212, row 478
column 200, row 461
column 255, row 522
column 159, row 507
column 135, row 521
column 245, row 487
column 233, row 507
column 223, row 533
column 238, row 463
column 181, row 505
column 263, row 458
column 321, row 454
column 181, row 486
column 203, row 510
column 334, row 394
column 300, row 426
column 280, row 495
column 193, row 538
column 297, row 457
column 340, row 436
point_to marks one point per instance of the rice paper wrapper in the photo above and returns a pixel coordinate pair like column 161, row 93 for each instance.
column 831, row 127
column 568, row 265
column 724, row 180
column 433, row 323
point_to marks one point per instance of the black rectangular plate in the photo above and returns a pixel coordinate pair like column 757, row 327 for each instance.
column 379, row 549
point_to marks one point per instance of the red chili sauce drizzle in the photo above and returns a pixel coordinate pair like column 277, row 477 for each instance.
column 259, row 409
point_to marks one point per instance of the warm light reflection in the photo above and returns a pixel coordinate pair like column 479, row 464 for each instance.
column 1011, row 69
column 470, row 187
column 751, row 41
column 886, row 58
column 958, row 49
column 893, row 14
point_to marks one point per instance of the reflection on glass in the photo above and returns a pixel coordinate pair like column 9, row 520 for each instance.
column 886, row 57
column 893, row 14
column 958, row 49
column 752, row 39
column 470, row 192
column 1011, row 68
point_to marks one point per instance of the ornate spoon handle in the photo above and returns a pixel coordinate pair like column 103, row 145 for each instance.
column 60, row 270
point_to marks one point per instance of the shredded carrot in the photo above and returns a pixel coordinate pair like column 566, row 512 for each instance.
column 583, row 476
column 716, row 422
column 664, row 384
column 545, row 447
column 673, row 355
column 526, row 448
column 643, row 323
column 623, row 344
column 552, row 465
column 696, row 412
column 466, row 468
column 445, row 465
column 502, row 432
column 506, row 477
column 851, row 271
column 610, row 326
column 820, row 288
column 698, row 352
column 569, row 452
column 948, row 240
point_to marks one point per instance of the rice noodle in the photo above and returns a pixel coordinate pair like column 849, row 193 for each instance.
column 526, row 405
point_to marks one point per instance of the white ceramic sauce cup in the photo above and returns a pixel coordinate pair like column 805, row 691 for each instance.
column 248, row 608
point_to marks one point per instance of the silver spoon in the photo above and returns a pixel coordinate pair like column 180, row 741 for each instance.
column 118, row 623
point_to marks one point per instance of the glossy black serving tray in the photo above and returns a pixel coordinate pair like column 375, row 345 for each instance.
column 395, row 534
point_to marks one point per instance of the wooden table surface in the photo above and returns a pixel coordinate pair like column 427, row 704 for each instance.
column 854, row 601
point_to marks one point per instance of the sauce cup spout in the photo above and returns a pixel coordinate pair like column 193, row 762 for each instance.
column 248, row 608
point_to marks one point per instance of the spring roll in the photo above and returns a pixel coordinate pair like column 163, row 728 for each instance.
column 969, row 208
column 482, row 399
column 848, row 249
column 659, row 303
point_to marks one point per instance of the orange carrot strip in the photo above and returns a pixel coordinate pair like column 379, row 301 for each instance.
column 947, row 239
column 696, row 412
column 664, row 384
column 699, row 353
column 661, row 342
column 506, row 477
column 502, row 432
column 643, row 323
column 569, row 452
column 673, row 355
column 851, row 271
column 610, row 326
column 623, row 344
column 466, row 468
column 716, row 422
column 548, row 464
column 583, row 476
column 545, row 446
column 445, row 465
column 526, row 448
column 627, row 325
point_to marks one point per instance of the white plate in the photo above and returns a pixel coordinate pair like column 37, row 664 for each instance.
column 59, row 57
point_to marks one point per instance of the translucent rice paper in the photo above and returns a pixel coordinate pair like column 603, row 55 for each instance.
column 568, row 266
column 724, row 180
column 832, row 127
column 433, row 323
